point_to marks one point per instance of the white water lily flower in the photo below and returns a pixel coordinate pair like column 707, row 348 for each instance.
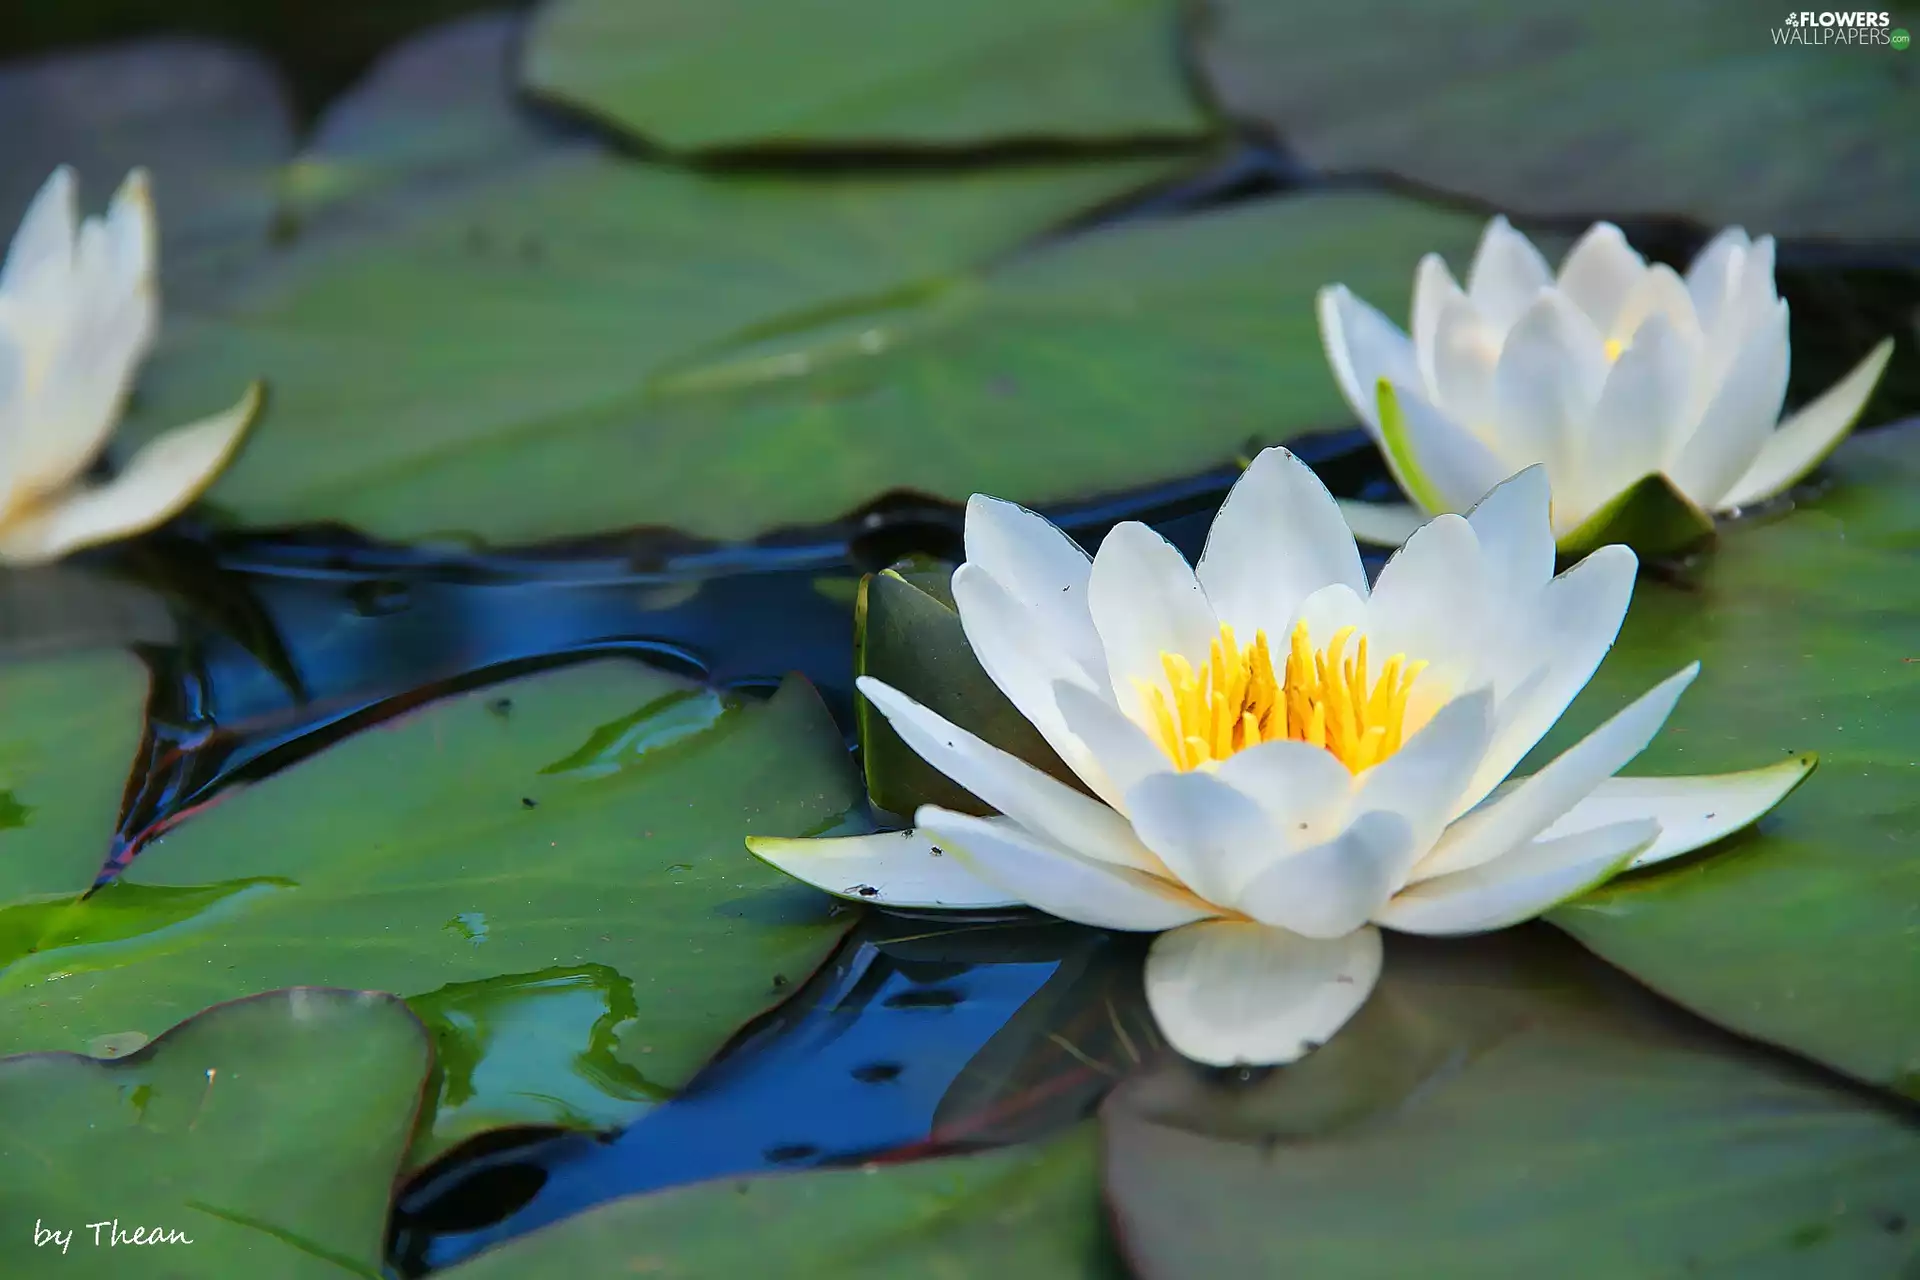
column 1614, row 372
column 78, row 311
column 1278, row 758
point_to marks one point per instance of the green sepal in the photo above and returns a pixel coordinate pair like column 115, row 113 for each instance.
column 1649, row 515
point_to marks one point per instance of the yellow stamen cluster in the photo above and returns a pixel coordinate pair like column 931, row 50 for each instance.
column 1614, row 348
column 1236, row 701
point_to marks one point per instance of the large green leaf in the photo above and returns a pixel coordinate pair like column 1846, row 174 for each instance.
column 570, row 904
column 1807, row 628
column 68, row 731
column 1030, row 1211
column 1678, row 107
column 485, row 360
column 208, row 121
column 1499, row 1108
column 695, row 74
column 1101, row 363
column 259, row 1138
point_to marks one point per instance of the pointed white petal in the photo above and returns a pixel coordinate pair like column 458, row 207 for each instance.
column 133, row 238
column 1807, row 437
column 1524, row 883
column 1599, row 272
column 1548, row 380
column 1211, row 837
column 1037, row 801
column 889, row 869
column 84, row 387
column 1227, row 993
column 1362, row 347
column 999, row 630
column 1429, row 601
column 1146, row 602
column 1464, row 354
column 158, row 482
column 1739, row 419
column 1711, row 278
column 1029, row 869
column 1329, row 890
column 1442, row 465
column 1658, row 292
column 1122, row 750
column 1433, row 288
column 1278, row 539
column 1380, row 524
column 1516, row 816
column 1692, row 811
column 1514, row 527
column 45, row 239
column 1641, row 416
column 1506, row 275
column 1304, row 789
column 1423, row 781
column 1578, row 617
column 1043, row 571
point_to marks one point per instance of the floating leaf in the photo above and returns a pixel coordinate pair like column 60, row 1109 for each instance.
column 1575, row 111
column 257, row 1138
column 1807, row 628
column 1508, row 1110
column 464, row 855
column 698, row 74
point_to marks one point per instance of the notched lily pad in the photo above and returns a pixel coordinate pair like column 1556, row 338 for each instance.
column 909, row 638
column 260, row 1137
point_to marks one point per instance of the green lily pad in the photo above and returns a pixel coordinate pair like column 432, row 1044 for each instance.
column 909, row 638
column 1807, row 628
column 63, row 608
column 68, row 731
column 1572, row 111
column 1029, row 1211
column 1506, row 1107
column 257, row 1138
column 569, row 903
column 700, row 74
column 1651, row 516
column 210, row 123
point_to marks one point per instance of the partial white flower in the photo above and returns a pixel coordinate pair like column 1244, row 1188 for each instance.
column 1614, row 372
column 78, row 312
column 1284, row 758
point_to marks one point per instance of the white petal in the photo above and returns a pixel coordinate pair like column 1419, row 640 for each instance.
column 1442, row 465
column 133, row 236
column 1549, row 378
column 1380, row 524
column 1578, row 617
column 1044, row 571
column 1464, row 354
column 1599, row 272
column 1711, row 278
column 45, row 238
column 1739, row 419
column 1506, row 275
column 1122, row 750
column 1278, row 539
column 1516, row 816
column 1332, row 889
column 890, row 869
column 1304, row 789
column 1423, row 781
column 1642, row 414
column 1211, row 837
column 999, row 630
column 1037, row 801
column 1659, row 292
column 1362, row 347
column 1227, row 993
column 158, row 482
column 1429, row 600
column 1146, row 602
column 84, row 387
column 1693, row 811
column 1529, row 881
column 1514, row 527
column 1805, row 438
column 1051, row 879
column 1433, row 288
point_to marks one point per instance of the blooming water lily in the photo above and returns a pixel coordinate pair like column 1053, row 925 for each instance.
column 78, row 311
column 1278, row 758
column 1619, row 377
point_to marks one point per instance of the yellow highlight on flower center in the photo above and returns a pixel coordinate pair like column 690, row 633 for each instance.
column 1614, row 348
column 1236, row 701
